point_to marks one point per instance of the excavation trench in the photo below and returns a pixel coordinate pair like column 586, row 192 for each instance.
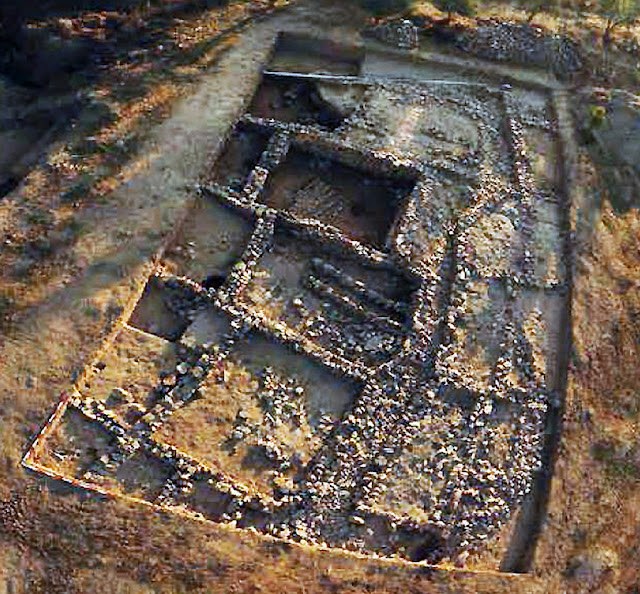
column 520, row 554
column 320, row 298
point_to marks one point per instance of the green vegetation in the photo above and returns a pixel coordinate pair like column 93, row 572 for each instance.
column 461, row 7
column 78, row 190
column 91, row 311
column 620, row 12
column 385, row 7
column 597, row 116
column 5, row 305
column 39, row 216
column 535, row 7
column 619, row 461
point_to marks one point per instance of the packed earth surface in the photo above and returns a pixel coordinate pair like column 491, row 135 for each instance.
column 354, row 314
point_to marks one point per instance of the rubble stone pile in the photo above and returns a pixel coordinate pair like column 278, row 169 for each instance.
column 522, row 43
column 401, row 33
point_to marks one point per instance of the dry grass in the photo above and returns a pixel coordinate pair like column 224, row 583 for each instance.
column 84, row 544
column 590, row 542
column 134, row 92
column 580, row 20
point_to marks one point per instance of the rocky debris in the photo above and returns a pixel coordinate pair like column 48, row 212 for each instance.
column 276, row 151
column 411, row 359
column 189, row 376
column 334, row 360
column 130, row 440
column 525, row 186
column 241, row 272
column 523, row 43
column 346, row 302
column 359, row 289
column 299, row 98
column 281, row 399
column 118, row 397
column 401, row 33
column 344, row 96
column 446, row 149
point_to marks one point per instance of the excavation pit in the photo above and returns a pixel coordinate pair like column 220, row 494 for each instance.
column 162, row 310
column 76, row 444
column 262, row 415
column 210, row 240
column 326, row 299
column 352, row 338
column 143, row 476
column 205, row 499
column 304, row 54
column 359, row 203
column 298, row 101
column 240, row 155
column 132, row 368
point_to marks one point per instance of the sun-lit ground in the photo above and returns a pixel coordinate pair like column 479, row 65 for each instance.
column 47, row 230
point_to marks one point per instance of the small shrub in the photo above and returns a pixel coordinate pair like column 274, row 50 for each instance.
column 461, row 7
column 597, row 116
column 619, row 461
column 39, row 216
column 78, row 191
column 385, row 7
column 5, row 304
column 7, row 310
column 535, row 7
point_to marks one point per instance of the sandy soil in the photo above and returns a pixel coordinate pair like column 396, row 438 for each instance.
column 55, row 538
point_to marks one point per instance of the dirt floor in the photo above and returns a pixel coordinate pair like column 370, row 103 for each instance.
column 82, row 317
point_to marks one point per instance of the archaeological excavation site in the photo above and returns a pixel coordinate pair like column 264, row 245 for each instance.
column 354, row 338
column 331, row 307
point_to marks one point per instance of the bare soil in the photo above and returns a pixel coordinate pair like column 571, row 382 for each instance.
column 361, row 205
column 107, row 221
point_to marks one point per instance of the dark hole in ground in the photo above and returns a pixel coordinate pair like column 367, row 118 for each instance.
column 162, row 310
column 254, row 518
column 296, row 101
column 361, row 204
column 258, row 457
column 358, row 209
column 443, row 33
column 214, row 281
column 241, row 154
column 206, row 499
column 301, row 53
column 461, row 398
column 429, row 548
column 143, row 474
column 8, row 185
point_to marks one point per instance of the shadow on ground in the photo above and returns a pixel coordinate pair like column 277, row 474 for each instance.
column 52, row 54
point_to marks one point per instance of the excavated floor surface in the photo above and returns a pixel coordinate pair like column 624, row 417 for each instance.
column 353, row 340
